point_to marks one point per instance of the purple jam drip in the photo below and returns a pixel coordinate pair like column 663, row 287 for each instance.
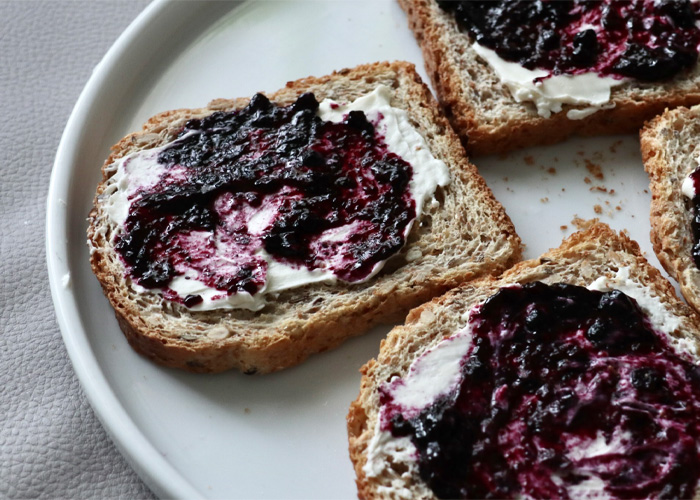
column 648, row 40
column 313, row 176
column 695, row 221
column 552, row 366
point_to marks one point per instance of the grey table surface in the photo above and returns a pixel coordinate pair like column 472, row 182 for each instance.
column 51, row 443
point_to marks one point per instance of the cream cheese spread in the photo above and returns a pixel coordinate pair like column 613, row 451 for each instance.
column 140, row 171
column 688, row 185
column 550, row 93
column 688, row 188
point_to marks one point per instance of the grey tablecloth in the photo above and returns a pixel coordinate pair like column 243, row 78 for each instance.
column 51, row 443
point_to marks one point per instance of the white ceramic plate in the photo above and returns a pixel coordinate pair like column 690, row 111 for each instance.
column 281, row 435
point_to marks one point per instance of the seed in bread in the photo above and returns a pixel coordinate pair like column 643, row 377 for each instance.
column 459, row 231
column 495, row 107
column 553, row 380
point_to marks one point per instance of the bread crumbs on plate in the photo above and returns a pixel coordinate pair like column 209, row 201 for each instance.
column 595, row 169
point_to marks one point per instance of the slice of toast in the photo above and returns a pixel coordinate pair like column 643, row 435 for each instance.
column 465, row 234
column 670, row 152
column 487, row 117
column 582, row 259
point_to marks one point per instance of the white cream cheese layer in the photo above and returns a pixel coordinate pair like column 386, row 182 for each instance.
column 437, row 372
column 141, row 171
column 688, row 186
column 549, row 94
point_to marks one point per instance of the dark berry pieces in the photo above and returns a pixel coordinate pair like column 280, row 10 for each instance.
column 548, row 40
column 550, row 366
column 192, row 300
column 647, row 379
column 585, row 48
column 694, row 207
column 680, row 12
column 334, row 175
column 611, row 18
column 656, row 39
column 646, row 63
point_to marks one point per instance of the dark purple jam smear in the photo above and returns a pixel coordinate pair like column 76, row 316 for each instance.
column 644, row 39
column 311, row 175
column 558, row 364
column 695, row 221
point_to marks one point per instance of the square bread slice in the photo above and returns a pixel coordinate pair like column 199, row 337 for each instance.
column 670, row 153
column 465, row 234
column 582, row 259
column 488, row 119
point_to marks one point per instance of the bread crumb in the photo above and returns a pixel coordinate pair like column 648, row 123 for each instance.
column 563, row 228
column 587, row 180
column 582, row 224
column 613, row 148
column 595, row 169
column 552, row 170
column 618, row 208
column 544, row 200
column 246, row 411
column 598, row 209
column 529, row 160
column 563, row 189
column 505, row 179
column 602, row 189
column 646, row 191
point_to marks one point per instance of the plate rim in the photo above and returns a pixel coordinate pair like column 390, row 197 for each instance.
column 149, row 464
column 159, row 474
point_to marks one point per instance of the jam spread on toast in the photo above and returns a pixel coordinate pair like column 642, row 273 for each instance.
column 648, row 40
column 562, row 388
column 311, row 193
column 694, row 202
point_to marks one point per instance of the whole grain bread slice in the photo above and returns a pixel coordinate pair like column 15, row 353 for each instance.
column 670, row 153
column 466, row 234
column 486, row 116
column 580, row 260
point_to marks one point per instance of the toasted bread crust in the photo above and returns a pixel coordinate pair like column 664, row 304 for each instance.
column 488, row 119
column 669, row 152
column 581, row 258
column 467, row 236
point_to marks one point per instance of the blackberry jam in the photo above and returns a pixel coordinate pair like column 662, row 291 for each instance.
column 694, row 202
column 560, row 385
column 311, row 193
column 648, row 40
